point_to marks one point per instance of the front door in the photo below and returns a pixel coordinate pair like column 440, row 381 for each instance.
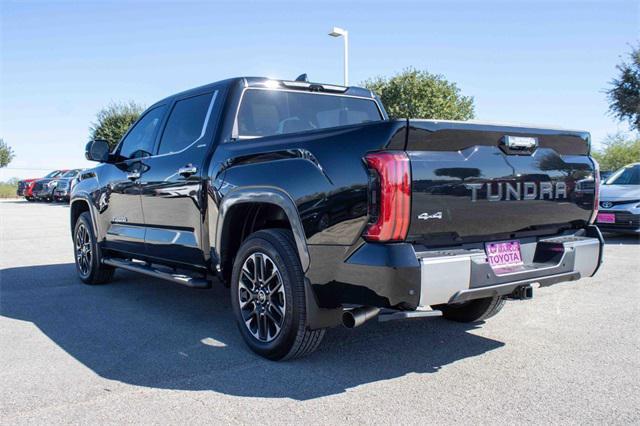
column 119, row 204
column 173, row 180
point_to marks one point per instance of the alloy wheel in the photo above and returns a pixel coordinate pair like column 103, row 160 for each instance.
column 83, row 250
column 261, row 297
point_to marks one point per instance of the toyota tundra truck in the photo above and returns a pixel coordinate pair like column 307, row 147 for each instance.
column 315, row 209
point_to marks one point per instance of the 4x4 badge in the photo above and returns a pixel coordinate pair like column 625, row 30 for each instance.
column 427, row 216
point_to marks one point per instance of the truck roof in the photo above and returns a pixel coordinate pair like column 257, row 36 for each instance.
column 266, row 82
column 306, row 85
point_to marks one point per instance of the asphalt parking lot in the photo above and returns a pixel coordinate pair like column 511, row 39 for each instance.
column 149, row 351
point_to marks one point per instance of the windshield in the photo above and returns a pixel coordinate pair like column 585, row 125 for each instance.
column 53, row 174
column 70, row 173
column 628, row 175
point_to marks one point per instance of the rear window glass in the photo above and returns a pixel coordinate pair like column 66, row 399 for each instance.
column 277, row 112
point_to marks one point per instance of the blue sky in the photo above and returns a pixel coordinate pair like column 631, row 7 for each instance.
column 545, row 62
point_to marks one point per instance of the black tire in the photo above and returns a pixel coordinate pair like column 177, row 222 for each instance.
column 29, row 199
column 87, row 254
column 274, row 249
column 472, row 311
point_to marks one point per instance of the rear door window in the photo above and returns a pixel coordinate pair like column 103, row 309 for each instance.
column 186, row 123
column 277, row 112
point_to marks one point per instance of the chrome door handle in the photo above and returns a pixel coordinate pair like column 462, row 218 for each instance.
column 133, row 175
column 188, row 170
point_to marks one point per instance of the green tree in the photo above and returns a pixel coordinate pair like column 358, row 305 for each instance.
column 6, row 153
column 114, row 120
column 419, row 94
column 619, row 150
column 624, row 95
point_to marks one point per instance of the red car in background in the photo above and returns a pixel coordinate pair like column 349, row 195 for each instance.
column 26, row 186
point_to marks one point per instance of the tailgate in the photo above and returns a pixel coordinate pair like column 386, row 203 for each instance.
column 477, row 182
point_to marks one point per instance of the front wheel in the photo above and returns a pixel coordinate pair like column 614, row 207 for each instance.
column 268, row 297
column 472, row 311
column 87, row 253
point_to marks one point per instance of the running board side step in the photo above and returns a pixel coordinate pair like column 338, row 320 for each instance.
column 145, row 269
column 398, row 315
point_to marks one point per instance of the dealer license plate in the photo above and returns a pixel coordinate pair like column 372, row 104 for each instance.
column 505, row 254
column 606, row 218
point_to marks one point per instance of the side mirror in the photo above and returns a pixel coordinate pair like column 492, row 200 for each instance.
column 97, row 150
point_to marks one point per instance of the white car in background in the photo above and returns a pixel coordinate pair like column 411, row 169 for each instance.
column 620, row 201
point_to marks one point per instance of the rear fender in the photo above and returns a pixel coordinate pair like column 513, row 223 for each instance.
column 265, row 195
column 316, row 317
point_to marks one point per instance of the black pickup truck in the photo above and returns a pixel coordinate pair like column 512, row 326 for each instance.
column 317, row 210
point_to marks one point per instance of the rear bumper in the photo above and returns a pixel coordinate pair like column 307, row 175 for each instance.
column 510, row 287
column 398, row 276
column 447, row 278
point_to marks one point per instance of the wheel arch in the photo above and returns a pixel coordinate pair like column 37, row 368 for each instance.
column 270, row 205
column 77, row 206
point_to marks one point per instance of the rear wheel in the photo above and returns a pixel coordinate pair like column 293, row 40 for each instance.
column 87, row 253
column 472, row 311
column 268, row 297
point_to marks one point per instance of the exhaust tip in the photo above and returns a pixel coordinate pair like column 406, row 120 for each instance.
column 358, row 316
column 348, row 320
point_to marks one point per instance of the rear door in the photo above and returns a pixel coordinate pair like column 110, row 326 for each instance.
column 475, row 182
column 173, row 180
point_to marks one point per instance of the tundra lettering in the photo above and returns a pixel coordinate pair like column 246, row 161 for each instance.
column 506, row 191
column 315, row 209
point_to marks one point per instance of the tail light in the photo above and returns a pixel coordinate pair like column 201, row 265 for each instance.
column 596, row 193
column 389, row 196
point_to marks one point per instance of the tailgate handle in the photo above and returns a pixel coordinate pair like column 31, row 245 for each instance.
column 519, row 143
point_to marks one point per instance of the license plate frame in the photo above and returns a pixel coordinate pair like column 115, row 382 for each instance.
column 504, row 255
column 606, row 218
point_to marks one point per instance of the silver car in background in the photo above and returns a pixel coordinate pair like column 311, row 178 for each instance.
column 63, row 185
column 620, row 201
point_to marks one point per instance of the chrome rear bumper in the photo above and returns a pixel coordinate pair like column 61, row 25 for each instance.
column 451, row 276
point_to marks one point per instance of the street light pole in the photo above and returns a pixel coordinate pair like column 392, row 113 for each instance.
column 339, row 32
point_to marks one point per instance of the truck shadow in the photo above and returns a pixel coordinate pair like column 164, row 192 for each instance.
column 148, row 332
